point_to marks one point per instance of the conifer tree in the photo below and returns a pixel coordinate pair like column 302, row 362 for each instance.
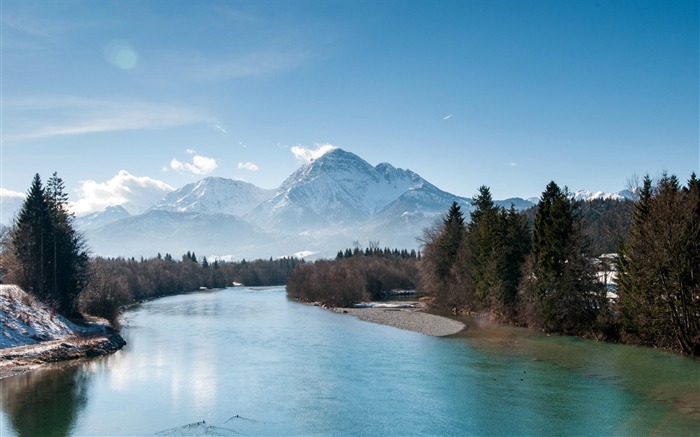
column 70, row 259
column 516, row 247
column 451, row 237
column 568, row 296
column 30, row 244
column 486, row 240
column 444, row 264
column 51, row 257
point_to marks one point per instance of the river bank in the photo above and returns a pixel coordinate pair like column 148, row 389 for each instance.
column 404, row 315
column 21, row 359
column 33, row 334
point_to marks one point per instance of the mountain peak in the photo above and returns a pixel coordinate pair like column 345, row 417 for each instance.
column 214, row 195
column 338, row 188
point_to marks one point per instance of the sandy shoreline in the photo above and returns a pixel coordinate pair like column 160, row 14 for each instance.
column 21, row 359
column 410, row 319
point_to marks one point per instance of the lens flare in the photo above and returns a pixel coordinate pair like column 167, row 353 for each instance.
column 121, row 54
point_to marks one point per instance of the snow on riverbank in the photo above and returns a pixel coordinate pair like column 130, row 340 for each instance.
column 24, row 320
column 32, row 334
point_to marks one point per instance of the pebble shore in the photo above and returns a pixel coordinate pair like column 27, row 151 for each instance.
column 409, row 319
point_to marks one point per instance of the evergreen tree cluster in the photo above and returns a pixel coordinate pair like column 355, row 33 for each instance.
column 564, row 292
column 44, row 254
column 659, row 267
column 373, row 250
column 605, row 222
column 475, row 266
column 496, row 263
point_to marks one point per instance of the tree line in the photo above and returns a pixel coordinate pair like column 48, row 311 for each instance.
column 115, row 282
column 355, row 276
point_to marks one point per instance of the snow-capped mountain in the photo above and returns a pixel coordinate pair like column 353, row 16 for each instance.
column 325, row 205
column 97, row 219
column 214, row 196
column 594, row 195
column 341, row 189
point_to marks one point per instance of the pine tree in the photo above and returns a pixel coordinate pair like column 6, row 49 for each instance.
column 553, row 229
column 70, row 260
column 516, row 247
column 453, row 231
column 444, row 264
column 568, row 296
column 50, row 256
column 486, row 241
column 30, row 244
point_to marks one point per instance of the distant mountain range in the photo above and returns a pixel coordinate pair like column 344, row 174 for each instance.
column 331, row 203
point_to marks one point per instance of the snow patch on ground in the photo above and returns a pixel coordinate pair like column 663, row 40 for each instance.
column 24, row 320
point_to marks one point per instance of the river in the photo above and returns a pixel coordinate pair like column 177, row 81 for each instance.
column 252, row 362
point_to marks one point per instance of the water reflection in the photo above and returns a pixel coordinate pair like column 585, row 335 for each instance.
column 45, row 402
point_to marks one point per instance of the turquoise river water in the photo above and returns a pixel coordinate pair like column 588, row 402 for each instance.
column 252, row 362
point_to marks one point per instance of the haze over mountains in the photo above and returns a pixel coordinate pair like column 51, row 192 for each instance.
column 326, row 205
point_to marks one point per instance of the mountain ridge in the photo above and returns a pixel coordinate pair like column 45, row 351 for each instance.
column 330, row 202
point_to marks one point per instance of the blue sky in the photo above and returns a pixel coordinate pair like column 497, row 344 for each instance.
column 123, row 95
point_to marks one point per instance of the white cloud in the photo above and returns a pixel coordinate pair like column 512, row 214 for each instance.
column 306, row 154
column 134, row 193
column 4, row 192
column 52, row 116
column 248, row 166
column 200, row 165
column 513, row 164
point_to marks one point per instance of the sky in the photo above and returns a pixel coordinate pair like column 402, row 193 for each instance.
column 130, row 97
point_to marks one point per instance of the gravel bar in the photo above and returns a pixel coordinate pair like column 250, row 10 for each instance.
column 408, row 319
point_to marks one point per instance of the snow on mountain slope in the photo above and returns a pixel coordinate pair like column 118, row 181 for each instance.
column 339, row 188
column 594, row 195
column 402, row 222
column 96, row 219
column 214, row 195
